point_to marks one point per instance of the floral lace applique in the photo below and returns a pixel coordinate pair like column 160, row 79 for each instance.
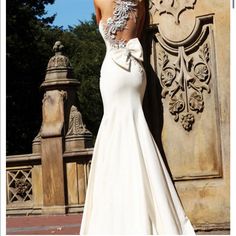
column 123, row 11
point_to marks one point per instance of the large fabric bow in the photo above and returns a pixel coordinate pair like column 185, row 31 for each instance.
column 122, row 56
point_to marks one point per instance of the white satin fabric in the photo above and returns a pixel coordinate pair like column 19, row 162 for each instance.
column 123, row 56
column 129, row 189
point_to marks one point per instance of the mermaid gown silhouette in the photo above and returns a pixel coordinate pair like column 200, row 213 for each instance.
column 129, row 189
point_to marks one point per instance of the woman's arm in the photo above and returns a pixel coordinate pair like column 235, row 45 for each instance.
column 97, row 12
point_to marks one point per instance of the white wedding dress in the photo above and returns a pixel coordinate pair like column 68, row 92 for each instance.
column 129, row 189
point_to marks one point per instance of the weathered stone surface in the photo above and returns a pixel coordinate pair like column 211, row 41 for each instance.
column 30, row 165
column 36, row 143
column 59, row 97
column 78, row 136
column 53, row 175
column 53, row 113
column 37, row 185
column 190, row 55
column 82, row 181
column 72, row 183
column 59, row 70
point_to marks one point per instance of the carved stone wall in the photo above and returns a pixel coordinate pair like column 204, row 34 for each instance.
column 186, row 71
column 190, row 58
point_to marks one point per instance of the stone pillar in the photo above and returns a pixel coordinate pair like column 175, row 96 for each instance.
column 59, row 95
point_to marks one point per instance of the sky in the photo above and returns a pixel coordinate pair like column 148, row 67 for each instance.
column 70, row 12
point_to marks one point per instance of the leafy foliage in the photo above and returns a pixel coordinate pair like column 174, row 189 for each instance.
column 29, row 47
column 25, row 68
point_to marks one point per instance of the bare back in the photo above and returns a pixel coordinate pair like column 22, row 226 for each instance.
column 133, row 14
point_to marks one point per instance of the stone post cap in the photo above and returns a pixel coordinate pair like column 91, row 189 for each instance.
column 59, row 70
column 59, row 61
column 58, row 47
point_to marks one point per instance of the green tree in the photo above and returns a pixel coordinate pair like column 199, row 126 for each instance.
column 25, row 70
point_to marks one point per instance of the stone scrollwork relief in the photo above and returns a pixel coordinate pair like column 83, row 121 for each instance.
column 172, row 7
column 185, row 72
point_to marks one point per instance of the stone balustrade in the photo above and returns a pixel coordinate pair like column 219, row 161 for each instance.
column 25, row 186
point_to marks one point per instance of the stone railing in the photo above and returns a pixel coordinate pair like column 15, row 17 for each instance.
column 25, row 185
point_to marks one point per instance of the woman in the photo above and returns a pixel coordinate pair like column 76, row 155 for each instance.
column 129, row 189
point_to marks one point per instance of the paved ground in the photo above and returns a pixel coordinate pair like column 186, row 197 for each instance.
column 65, row 224
column 25, row 225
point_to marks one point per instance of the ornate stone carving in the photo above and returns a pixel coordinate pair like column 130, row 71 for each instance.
column 76, row 125
column 59, row 70
column 23, row 186
column 59, row 60
column 172, row 7
column 184, row 81
column 185, row 73
column 19, row 186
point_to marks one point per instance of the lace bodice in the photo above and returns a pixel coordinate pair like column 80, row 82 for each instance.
column 123, row 11
column 120, row 50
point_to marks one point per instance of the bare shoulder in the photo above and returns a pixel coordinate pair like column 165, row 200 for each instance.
column 95, row 2
column 101, row 3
